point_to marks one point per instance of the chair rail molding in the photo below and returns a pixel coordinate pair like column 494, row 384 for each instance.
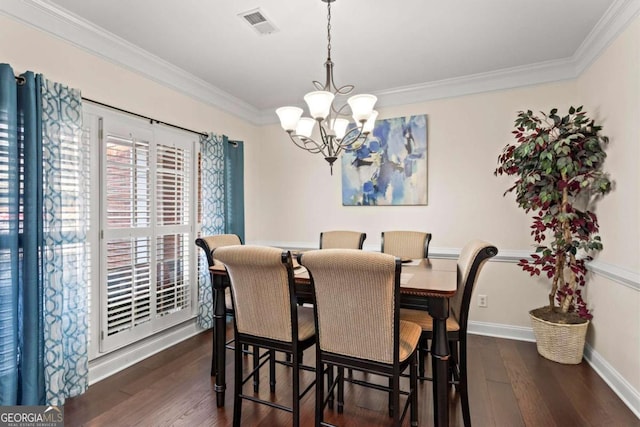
column 621, row 275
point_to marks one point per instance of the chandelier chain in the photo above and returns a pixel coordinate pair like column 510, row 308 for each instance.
column 328, row 30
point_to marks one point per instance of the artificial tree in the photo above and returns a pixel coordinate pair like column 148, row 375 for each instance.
column 557, row 162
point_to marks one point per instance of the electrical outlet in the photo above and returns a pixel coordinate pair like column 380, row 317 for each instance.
column 482, row 301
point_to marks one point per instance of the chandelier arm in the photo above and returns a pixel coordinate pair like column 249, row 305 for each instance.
column 349, row 139
column 339, row 112
column 318, row 85
column 307, row 144
column 327, row 140
column 342, row 90
column 353, row 144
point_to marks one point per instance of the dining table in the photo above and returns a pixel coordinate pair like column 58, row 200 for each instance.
column 424, row 284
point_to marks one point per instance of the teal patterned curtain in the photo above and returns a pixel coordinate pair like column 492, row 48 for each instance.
column 66, row 261
column 213, row 222
column 43, row 261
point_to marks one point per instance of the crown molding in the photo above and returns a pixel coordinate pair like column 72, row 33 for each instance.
column 615, row 20
column 526, row 75
column 45, row 16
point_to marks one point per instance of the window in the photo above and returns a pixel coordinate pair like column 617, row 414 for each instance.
column 147, row 198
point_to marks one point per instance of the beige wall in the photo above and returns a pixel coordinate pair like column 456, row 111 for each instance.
column 610, row 88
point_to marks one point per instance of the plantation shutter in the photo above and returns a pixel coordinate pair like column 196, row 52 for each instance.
column 147, row 238
column 173, row 245
column 127, row 236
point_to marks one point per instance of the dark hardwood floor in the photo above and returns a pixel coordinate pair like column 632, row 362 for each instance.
column 509, row 385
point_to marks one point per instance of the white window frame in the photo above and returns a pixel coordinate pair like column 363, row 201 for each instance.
column 100, row 121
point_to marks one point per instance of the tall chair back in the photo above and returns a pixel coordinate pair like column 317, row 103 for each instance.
column 262, row 290
column 473, row 257
column 342, row 239
column 356, row 297
column 406, row 244
column 209, row 243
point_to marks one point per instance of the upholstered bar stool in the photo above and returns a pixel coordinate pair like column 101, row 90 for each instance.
column 357, row 300
column 208, row 244
column 472, row 258
column 409, row 245
column 266, row 316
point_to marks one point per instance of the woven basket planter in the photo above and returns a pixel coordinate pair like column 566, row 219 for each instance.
column 562, row 343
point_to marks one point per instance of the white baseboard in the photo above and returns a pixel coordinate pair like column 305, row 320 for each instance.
column 114, row 362
column 498, row 330
column 625, row 391
column 620, row 386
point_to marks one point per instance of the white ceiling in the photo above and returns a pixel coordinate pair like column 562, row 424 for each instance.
column 385, row 48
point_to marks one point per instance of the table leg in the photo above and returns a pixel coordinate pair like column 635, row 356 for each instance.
column 439, row 311
column 219, row 336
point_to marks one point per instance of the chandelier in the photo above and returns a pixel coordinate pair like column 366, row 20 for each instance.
column 333, row 125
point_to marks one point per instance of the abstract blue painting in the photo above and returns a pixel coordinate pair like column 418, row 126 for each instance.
column 390, row 168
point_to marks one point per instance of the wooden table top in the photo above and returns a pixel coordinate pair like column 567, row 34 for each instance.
column 424, row 277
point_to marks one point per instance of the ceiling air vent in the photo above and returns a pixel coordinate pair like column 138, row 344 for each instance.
column 258, row 21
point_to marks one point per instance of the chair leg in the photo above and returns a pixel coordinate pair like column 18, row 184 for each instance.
column 329, row 384
column 454, row 363
column 340, row 380
column 390, row 404
column 462, row 386
column 422, row 345
column 256, row 363
column 272, row 371
column 213, row 346
column 319, row 393
column 295, row 407
column 413, row 387
column 237, row 387
column 395, row 387
column 213, row 354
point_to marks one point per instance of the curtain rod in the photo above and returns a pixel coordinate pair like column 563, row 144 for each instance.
column 21, row 80
column 151, row 120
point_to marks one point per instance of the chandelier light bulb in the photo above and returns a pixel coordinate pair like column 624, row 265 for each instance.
column 339, row 127
column 305, row 127
column 370, row 123
column 362, row 106
column 319, row 103
column 289, row 117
